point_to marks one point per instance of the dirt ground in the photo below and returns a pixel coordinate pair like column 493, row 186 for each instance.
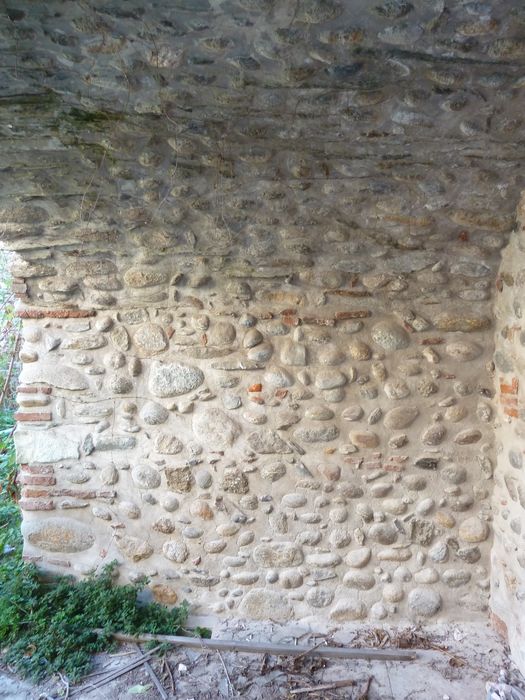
column 453, row 663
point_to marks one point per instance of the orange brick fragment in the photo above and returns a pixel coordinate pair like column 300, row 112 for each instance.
column 511, row 388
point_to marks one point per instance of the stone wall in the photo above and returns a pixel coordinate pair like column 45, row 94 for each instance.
column 261, row 447
column 508, row 561
column 257, row 251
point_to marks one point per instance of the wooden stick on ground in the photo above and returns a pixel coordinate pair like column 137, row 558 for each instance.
column 311, row 649
column 115, row 674
column 231, row 690
column 167, row 669
column 364, row 694
column 151, row 673
column 344, row 683
column 273, row 649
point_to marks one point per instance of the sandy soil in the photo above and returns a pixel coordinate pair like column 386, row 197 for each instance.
column 453, row 662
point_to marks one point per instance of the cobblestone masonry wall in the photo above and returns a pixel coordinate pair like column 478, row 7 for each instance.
column 258, row 244
column 508, row 560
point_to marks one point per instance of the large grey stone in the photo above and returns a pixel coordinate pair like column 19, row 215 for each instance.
column 145, row 477
column 86, row 341
column 57, row 375
column 263, row 604
column 215, row 429
column 110, row 442
column 424, row 601
column 175, row 550
column 58, row 535
column 268, row 442
column 400, row 417
column 315, row 433
column 348, row 610
column 277, row 555
column 390, row 335
column 167, row 444
column 150, row 339
column 173, row 379
column 134, row 548
column 153, row 413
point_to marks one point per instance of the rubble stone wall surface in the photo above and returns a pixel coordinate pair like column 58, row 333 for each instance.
column 258, row 245
column 508, row 560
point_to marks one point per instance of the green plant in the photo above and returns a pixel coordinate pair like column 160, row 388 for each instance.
column 47, row 626
column 50, row 626
column 10, row 537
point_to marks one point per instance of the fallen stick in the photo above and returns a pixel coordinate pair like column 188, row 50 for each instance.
column 311, row 649
column 167, row 668
column 115, row 674
column 151, row 673
column 344, row 683
column 228, row 679
column 268, row 648
column 364, row 694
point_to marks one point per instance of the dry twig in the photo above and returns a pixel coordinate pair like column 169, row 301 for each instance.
column 153, row 676
column 343, row 683
column 231, row 689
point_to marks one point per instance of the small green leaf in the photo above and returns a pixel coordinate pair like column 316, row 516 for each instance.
column 139, row 689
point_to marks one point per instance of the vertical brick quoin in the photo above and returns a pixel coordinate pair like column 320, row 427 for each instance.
column 509, row 397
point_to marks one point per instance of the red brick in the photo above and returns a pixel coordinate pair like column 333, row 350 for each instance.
column 55, row 313
column 291, row 320
column 34, row 417
column 36, row 504
column 38, row 468
column 499, row 626
column 512, row 412
column 507, row 400
column 255, row 387
column 170, row 331
column 34, row 493
column 343, row 315
column 36, row 480
column 348, row 292
column 432, row 341
column 34, row 389
column 391, row 467
column 257, row 399
column 281, row 393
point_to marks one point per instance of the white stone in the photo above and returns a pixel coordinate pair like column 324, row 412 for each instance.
column 215, row 429
column 50, row 445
